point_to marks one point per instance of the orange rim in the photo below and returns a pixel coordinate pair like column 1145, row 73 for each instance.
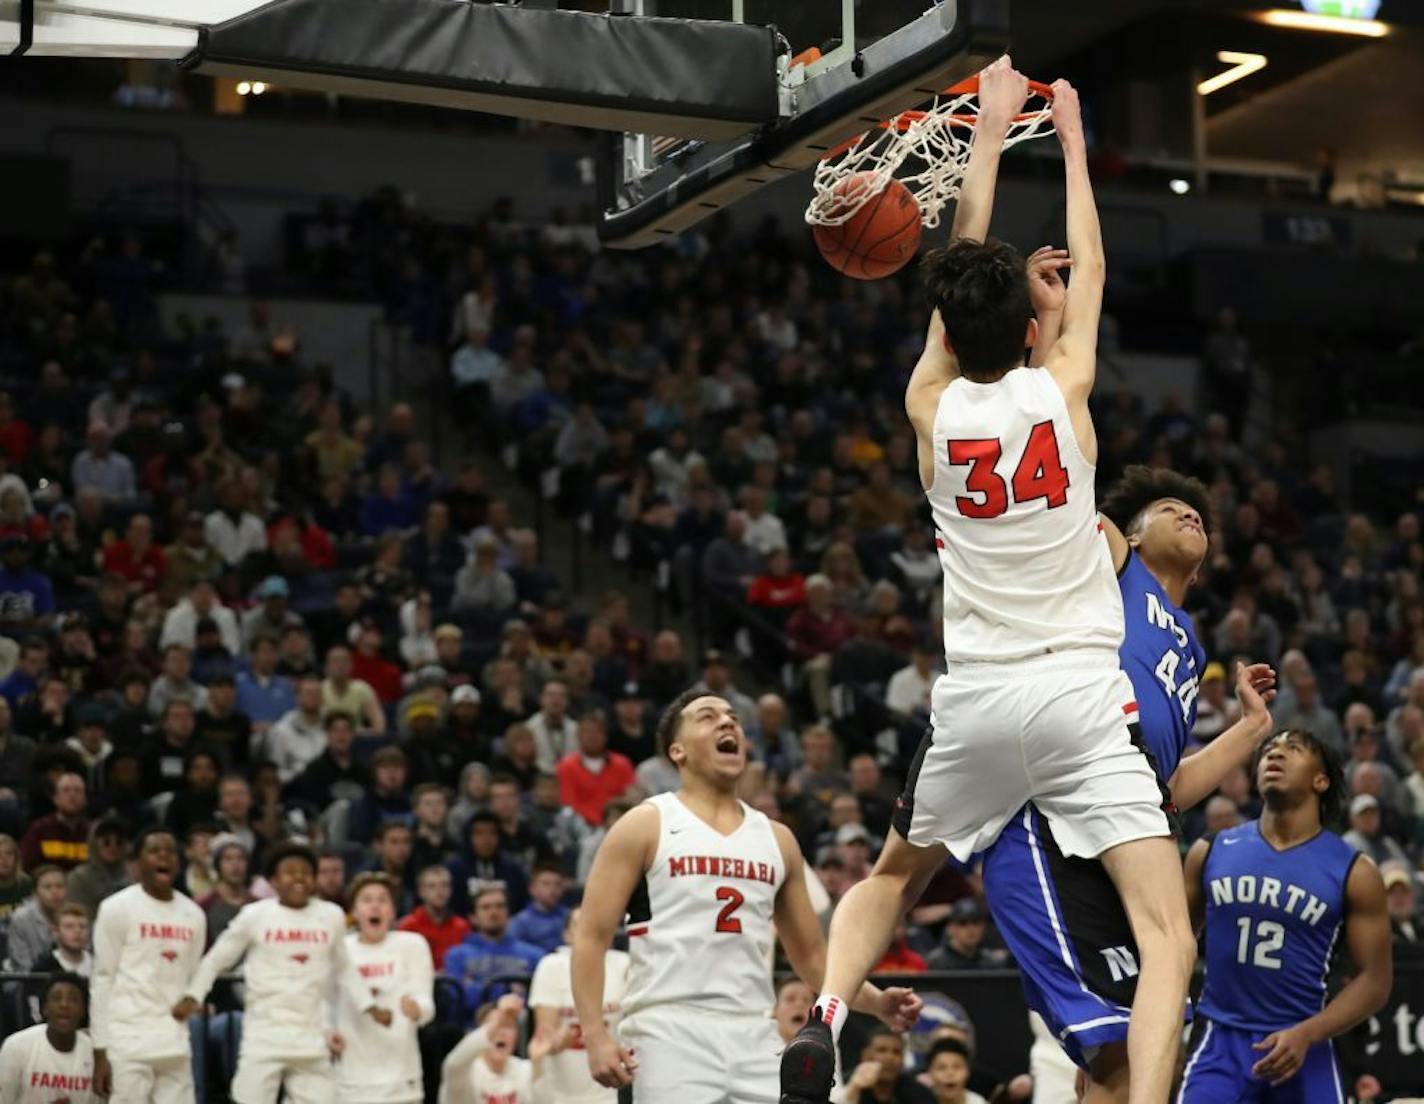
column 903, row 120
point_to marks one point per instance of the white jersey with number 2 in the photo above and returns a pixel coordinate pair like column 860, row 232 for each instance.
column 700, row 922
column 1026, row 567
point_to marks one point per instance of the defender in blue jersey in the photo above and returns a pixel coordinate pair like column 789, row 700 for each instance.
column 1276, row 894
column 1061, row 917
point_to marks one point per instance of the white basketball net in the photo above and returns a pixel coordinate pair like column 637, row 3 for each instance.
column 935, row 144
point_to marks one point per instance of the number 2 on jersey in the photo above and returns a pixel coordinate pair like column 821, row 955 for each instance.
column 1039, row 474
column 726, row 920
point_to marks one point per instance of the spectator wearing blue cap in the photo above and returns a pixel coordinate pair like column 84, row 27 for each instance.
column 272, row 616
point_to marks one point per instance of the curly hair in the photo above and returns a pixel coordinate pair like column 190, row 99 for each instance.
column 1140, row 486
column 1332, row 801
column 981, row 292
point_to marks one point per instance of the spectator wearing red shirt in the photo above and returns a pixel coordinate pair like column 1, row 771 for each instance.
column 592, row 776
column 899, row 958
column 433, row 919
column 780, row 587
column 16, row 437
column 136, row 558
column 816, row 631
column 370, row 666
column 316, row 544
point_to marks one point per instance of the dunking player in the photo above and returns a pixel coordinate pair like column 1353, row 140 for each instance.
column 1060, row 916
column 1275, row 894
column 1034, row 705
column 701, row 877
column 148, row 940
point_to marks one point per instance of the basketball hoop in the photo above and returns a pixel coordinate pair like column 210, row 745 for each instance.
column 935, row 141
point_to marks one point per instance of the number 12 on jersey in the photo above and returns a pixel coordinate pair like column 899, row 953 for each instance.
column 1039, row 473
column 1270, row 938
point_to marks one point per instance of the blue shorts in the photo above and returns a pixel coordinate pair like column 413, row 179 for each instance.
column 1219, row 1071
column 1062, row 920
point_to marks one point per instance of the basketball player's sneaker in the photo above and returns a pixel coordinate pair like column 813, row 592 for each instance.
column 808, row 1064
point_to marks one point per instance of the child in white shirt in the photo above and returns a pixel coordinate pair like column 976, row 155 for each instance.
column 53, row 1060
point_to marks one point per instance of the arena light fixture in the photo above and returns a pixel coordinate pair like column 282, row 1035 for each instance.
column 1315, row 21
column 244, row 88
column 1179, row 186
column 259, row 87
column 1242, row 65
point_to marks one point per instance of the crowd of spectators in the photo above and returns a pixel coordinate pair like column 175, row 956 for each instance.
column 232, row 602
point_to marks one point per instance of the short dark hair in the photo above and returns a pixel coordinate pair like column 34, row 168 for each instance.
column 878, row 1031
column 485, row 890
column 947, row 1046
column 1332, row 801
column 1140, row 486
column 670, row 723
column 386, row 827
column 503, row 779
column 290, row 850
column 152, row 830
column 336, row 716
column 65, row 978
column 547, row 866
column 484, row 816
column 981, row 292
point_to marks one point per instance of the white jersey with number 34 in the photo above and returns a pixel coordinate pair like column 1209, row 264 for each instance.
column 700, row 923
column 1026, row 567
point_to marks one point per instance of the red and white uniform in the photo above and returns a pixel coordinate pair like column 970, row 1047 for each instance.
column 381, row 1065
column 1034, row 705
column 292, row 957
column 566, row 1079
column 145, row 954
column 699, row 998
column 33, row 1072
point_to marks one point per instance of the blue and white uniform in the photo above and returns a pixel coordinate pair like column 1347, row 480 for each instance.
column 1061, row 917
column 1272, row 922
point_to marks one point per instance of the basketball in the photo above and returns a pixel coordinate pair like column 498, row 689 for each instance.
column 878, row 239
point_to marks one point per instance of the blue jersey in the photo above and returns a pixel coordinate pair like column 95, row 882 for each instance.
column 1272, row 918
column 1161, row 656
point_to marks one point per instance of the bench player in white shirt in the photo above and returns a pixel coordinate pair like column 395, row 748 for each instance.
column 52, row 1061
column 567, row 1079
column 381, row 1064
column 1034, row 705
column 295, row 948
column 483, row 1068
column 148, row 941
column 701, row 877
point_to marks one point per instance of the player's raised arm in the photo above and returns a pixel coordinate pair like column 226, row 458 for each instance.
column 1198, row 775
column 1002, row 93
column 1073, row 359
column 1368, row 935
column 621, row 862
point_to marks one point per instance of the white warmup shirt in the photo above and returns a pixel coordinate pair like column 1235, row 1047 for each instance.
column 1026, row 567
column 464, row 1079
column 700, row 925
column 33, row 1072
column 292, row 957
column 565, row 1078
column 381, row 1065
column 145, row 954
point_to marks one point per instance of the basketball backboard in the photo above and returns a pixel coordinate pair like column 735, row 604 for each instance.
column 842, row 67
